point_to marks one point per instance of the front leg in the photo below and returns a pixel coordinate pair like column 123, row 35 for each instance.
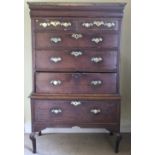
column 111, row 133
column 118, row 139
column 39, row 133
column 33, row 139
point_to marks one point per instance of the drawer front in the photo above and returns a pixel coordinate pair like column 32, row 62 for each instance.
column 76, row 83
column 46, row 40
column 75, row 111
column 76, row 60
column 98, row 24
column 63, row 24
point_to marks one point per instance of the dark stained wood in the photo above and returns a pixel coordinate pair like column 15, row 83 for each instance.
column 75, row 73
column 70, row 62
column 76, row 24
column 108, row 111
column 33, row 54
column 43, row 40
column 76, row 6
column 76, row 83
column 38, row 21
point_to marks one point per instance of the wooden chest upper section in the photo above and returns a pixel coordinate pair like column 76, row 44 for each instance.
column 72, row 38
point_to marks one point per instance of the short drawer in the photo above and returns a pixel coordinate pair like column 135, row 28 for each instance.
column 76, row 83
column 64, row 24
column 45, row 40
column 76, row 60
column 98, row 24
column 76, row 111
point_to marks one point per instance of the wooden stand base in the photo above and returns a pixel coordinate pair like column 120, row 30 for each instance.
column 116, row 149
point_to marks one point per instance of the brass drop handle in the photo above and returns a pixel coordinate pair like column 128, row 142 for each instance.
column 76, row 53
column 97, row 40
column 95, row 111
column 55, row 59
column 96, row 59
column 55, row 82
column 96, row 82
column 56, row 111
column 75, row 103
column 77, row 36
column 55, row 39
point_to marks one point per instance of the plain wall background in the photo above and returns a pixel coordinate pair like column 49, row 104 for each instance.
column 124, row 68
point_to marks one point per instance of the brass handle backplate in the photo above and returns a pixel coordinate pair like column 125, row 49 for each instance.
column 75, row 103
column 55, row 82
column 97, row 40
column 77, row 36
column 55, row 59
column 96, row 82
column 56, row 111
column 56, row 39
column 96, row 59
column 95, row 111
column 76, row 53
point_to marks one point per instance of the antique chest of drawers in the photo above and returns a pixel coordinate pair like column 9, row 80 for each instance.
column 75, row 51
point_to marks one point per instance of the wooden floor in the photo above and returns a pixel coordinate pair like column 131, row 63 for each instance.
column 77, row 144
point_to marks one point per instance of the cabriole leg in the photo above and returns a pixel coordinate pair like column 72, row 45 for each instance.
column 111, row 133
column 39, row 133
column 33, row 139
column 118, row 139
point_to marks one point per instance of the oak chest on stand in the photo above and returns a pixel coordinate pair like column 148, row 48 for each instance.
column 75, row 55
